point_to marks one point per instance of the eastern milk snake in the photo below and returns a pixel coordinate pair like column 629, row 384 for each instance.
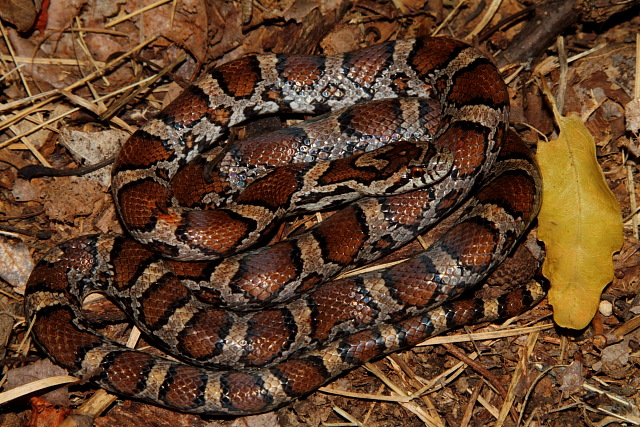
column 424, row 120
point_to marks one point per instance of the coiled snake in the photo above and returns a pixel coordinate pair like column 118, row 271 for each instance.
column 424, row 118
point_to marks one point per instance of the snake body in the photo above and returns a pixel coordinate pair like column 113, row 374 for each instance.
column 409, row 129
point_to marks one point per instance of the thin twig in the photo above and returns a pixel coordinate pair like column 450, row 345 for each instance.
column 457, row 353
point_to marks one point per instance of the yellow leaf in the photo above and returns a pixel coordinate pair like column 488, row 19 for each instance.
column 580, row 223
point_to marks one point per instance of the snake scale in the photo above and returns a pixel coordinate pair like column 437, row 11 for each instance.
column 408, row 130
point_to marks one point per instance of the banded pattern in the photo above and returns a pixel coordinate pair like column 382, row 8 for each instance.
column 314, row 327
column 471, row 125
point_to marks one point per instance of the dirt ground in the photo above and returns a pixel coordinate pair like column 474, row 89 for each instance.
column 60, row 108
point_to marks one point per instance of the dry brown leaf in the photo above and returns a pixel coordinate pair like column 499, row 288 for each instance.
column 21, row 13
column 580, row 223
column 632, row 115
column 15, row 262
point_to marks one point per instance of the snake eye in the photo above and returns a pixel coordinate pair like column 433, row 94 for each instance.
column 417, row 172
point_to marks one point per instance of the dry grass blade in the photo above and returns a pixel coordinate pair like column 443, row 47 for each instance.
column 73, row 110
column 448, row 18
column 378, row 373
column 468, row 411
column 366, row 396
column 13, row 55
column 23, row 390
column 95, row 109
column 28, row 100
column 89, row 30
column 488, row 16
column 405, row 399
column 353, row 421
column 369, row 269
column 26, row 143
column 13, row 70
column 517, row 374
column 72, row 86
column 488, row 376
column 611, row 396
column 50, row 61
column 631, row 165
column 137, row 12
column 148, row 82
column 564, row 70
column 481, row 336
column 80, row 39
column 489, row 407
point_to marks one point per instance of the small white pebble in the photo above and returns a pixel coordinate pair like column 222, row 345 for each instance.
column 605, row 308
